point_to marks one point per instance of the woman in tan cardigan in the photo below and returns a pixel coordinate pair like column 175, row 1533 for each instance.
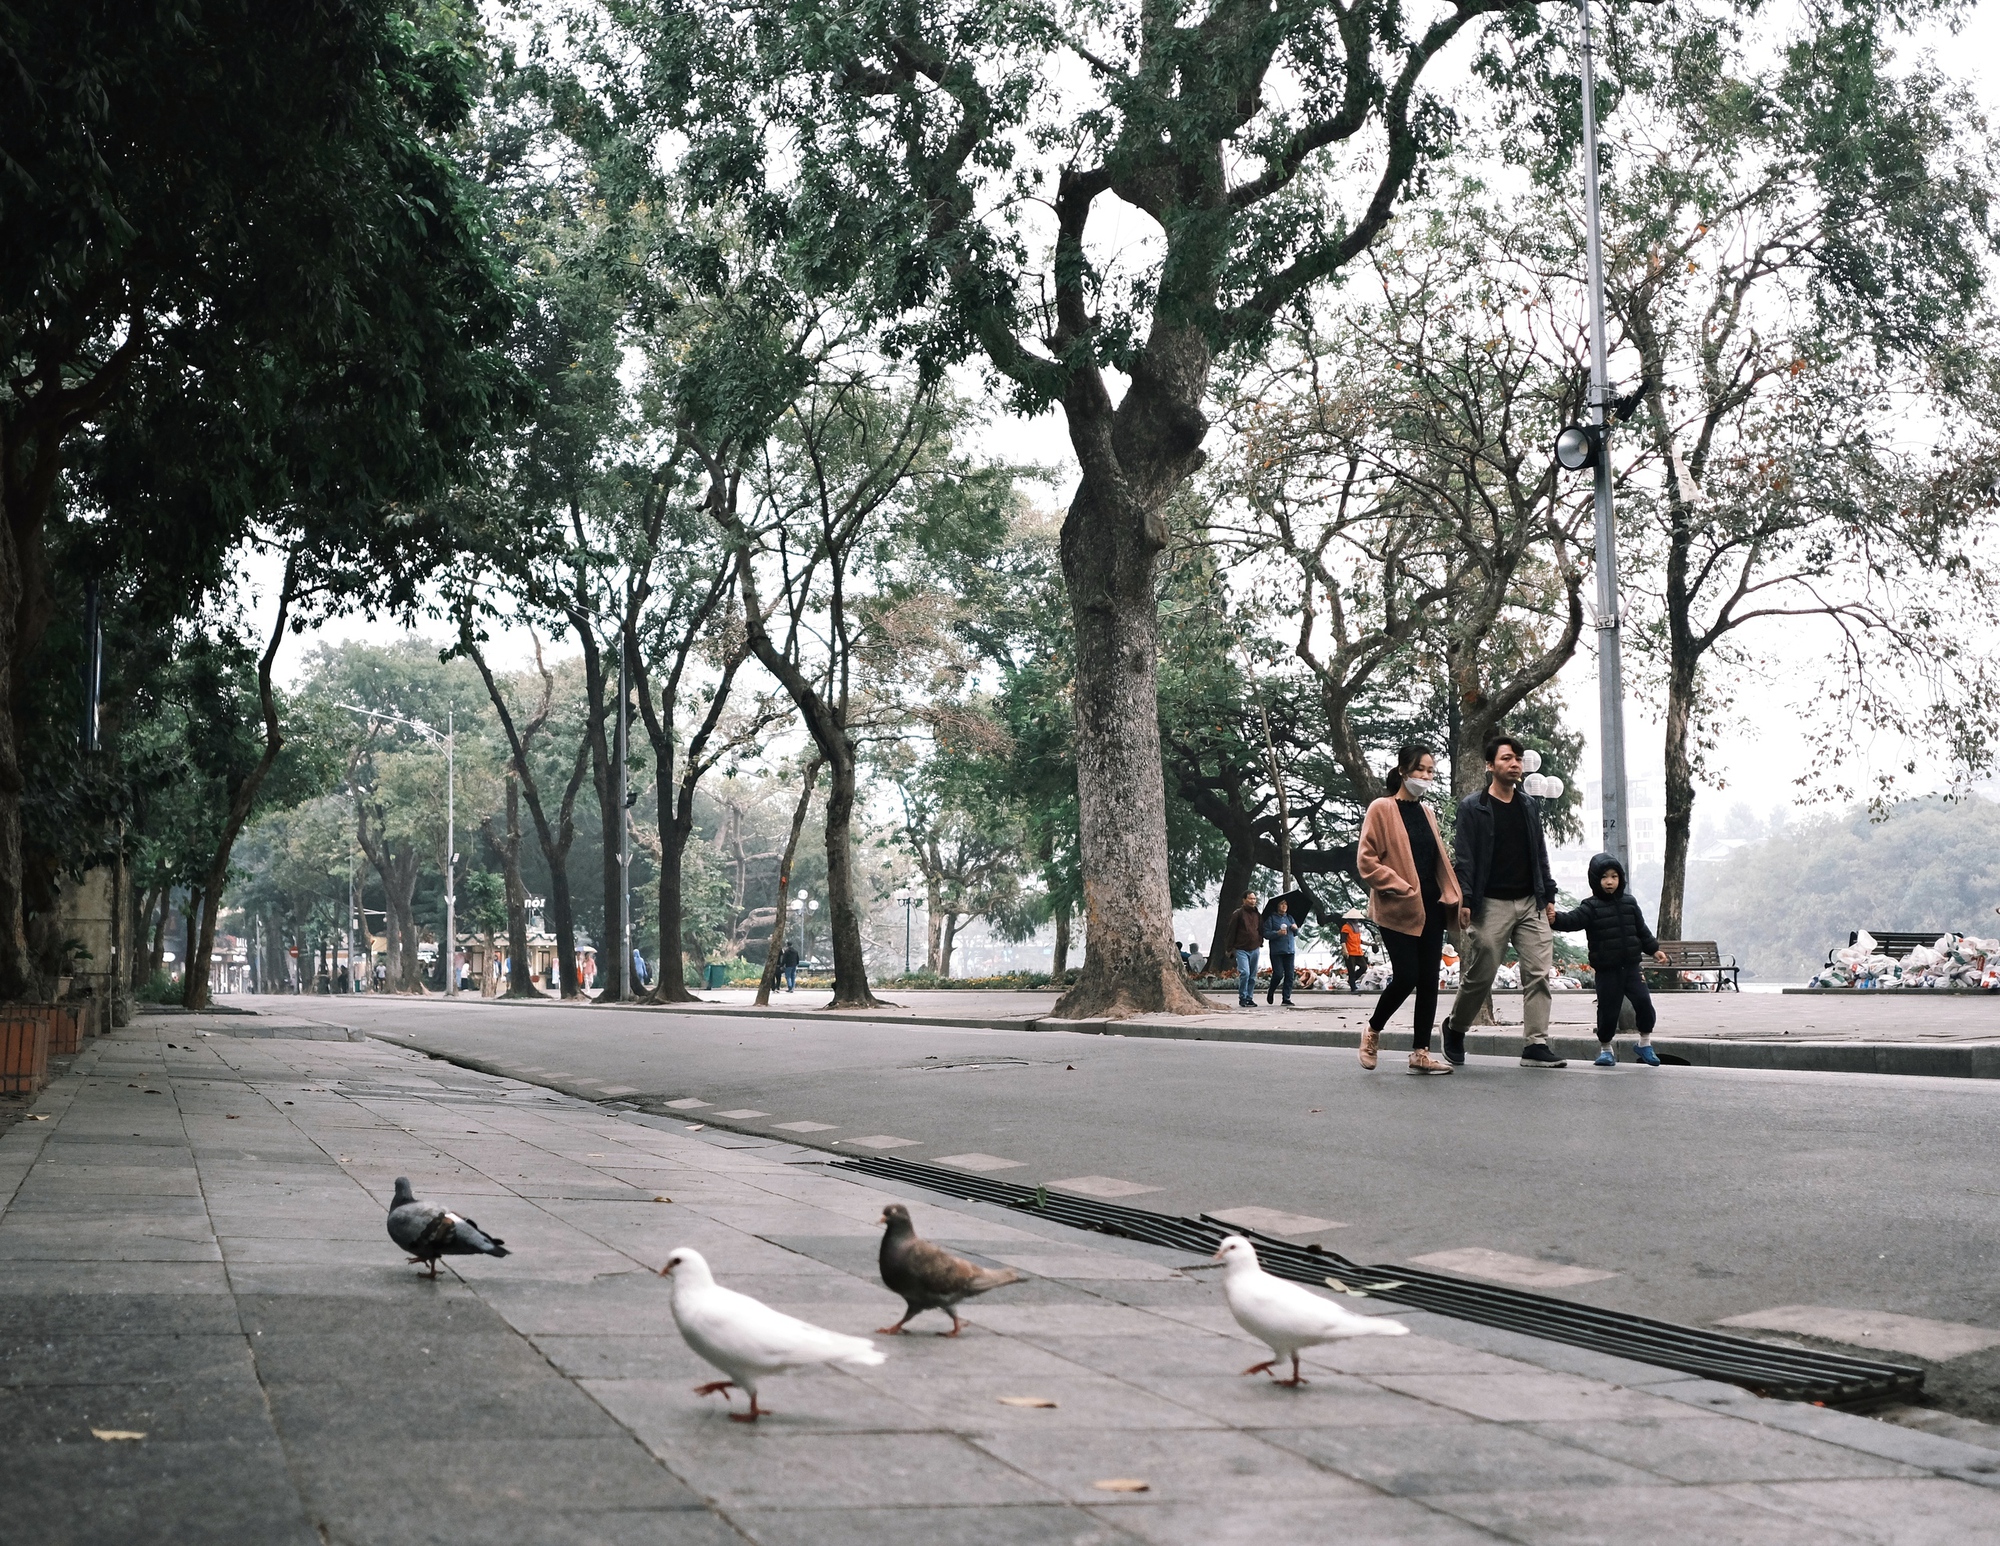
column 1412, row 891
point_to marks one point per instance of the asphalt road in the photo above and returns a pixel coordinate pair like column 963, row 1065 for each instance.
column 1708, row 1193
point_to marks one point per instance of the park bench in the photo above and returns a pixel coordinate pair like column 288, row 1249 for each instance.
column 1894, row 943
column 1701, row 955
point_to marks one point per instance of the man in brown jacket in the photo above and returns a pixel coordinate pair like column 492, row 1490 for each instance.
column 1246, row 938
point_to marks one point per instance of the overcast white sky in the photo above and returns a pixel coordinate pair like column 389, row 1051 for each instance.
column 1758, row 755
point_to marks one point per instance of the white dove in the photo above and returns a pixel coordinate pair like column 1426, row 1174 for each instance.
column 746, row 1339
column 1284, row 1316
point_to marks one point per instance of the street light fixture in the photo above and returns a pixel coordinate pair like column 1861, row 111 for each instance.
column 908, row 898
column 1580, row 446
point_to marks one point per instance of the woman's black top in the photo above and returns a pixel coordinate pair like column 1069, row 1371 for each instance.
column 1423, row 849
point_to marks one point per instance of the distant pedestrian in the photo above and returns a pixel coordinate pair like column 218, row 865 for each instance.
column 1355, row 951
column 1412, row 893
column 1615, row 926
column 789, row 961
column 1246, row 940
column 1282, row 930
column 1509, row 898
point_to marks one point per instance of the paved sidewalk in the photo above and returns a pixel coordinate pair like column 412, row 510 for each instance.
column 192, row 1250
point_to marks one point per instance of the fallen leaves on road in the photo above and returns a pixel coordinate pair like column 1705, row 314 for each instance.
column 113, row 1435
column 1037, row 1401
column 1123, row 1484
column 663, row 1197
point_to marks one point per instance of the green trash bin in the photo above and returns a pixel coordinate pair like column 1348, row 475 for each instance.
column 717, row 975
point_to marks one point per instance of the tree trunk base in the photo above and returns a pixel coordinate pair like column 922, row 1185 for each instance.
column 862, row 1000
column 680, row 995
column 524, row 993
column 1121, row 995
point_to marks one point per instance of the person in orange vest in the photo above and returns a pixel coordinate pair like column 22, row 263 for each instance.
column 1357, row 953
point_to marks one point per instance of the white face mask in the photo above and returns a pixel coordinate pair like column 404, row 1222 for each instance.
column 1419, row 787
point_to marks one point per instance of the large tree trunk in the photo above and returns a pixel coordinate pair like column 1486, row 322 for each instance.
column 775, row 946
column 670, row 982
column 934, row 926
column 1059, row 957
column 613, row 965
column 850, row 971
column 1110, row 547
column 520, row 976
column 1682, row 676
column 945, row 943
column 1238, row 871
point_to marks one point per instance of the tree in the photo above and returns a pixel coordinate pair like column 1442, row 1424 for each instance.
column 848, row 490
column 1797, row 257
column 917, row 142
column 1395, row 458
column 227, row 308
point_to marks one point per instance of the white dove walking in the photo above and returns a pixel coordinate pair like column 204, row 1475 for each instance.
column 746, row 1339
column 1284, row 1316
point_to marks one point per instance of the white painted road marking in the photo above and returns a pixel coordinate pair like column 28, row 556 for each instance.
column 620, row 1089
column 1475, row 1261
column 1103, row 1186
column 1936, row 1340
column 1271, row 1221
column 884, row 1141
column 742, row 1116
column 806, row 1127
column 690, row 1104
column 980, row 1162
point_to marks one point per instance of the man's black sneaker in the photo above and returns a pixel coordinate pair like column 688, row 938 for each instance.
column 1454, row 1044
column 1537, row 1055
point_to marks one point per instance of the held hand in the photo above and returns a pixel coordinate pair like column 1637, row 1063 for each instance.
column 1551, row 911
column 1660, row 956
column 1464, row 919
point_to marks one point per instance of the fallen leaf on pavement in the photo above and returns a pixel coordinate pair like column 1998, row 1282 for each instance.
column 112, row 1434
column 1123, row 1484
column 1026, row 1401
column 663, row 1197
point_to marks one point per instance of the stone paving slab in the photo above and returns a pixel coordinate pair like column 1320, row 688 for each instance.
column 545, row 1398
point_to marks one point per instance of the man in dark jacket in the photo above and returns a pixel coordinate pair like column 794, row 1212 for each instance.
column 1246, row 939
column 788, row 963
column 1615, row 927
column 1502, row 861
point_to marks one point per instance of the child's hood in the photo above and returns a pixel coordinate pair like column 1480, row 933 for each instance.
column 1600, row 866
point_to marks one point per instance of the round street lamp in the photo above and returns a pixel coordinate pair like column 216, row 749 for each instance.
column 1579, row 446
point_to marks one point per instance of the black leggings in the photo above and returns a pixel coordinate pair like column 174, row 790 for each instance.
column 1615, row 984
column 1414, row 959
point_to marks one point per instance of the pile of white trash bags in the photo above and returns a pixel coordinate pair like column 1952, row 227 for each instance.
column 1954, row 961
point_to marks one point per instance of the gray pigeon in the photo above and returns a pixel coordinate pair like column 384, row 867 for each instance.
column 928, row 1276
column 428, row 1231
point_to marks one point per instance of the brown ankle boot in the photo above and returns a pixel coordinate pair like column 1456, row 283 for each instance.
column 1371, row 1044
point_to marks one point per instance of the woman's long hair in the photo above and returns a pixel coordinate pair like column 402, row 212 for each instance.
column 1408, row 756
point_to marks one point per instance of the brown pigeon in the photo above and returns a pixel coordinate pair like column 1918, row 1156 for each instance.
column 927, row 1276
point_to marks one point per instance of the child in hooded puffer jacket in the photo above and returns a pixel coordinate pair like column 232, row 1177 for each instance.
column 1619, row 942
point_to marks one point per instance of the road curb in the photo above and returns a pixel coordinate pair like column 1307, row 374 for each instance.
column 1908, row 1059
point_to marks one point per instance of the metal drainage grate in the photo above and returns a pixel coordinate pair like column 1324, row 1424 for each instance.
column 1792, row 1374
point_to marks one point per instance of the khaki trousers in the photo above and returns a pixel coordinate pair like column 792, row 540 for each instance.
column 1524, row 925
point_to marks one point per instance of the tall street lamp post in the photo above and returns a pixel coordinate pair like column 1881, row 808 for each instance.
column 1581, row 446
column 908, row 898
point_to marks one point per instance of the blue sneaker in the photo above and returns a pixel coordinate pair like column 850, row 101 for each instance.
column 1649, row 1057
column 1607, row 1059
